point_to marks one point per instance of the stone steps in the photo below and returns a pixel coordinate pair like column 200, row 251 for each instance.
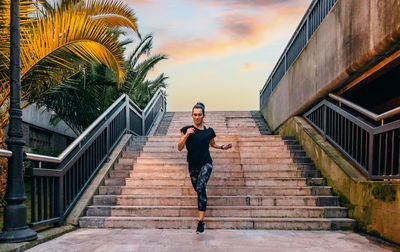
column 217, row 190
column 220, row 138
column 219, row 223
column 220, row 211
column 215, row 174
column 264, row 181
column 155, row 200
column 260, row 149
column 182, row 167
column 218, row 182
column 216, row 160
column 215, row 155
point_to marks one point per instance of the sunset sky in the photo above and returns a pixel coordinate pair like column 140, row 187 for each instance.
column 220, row 52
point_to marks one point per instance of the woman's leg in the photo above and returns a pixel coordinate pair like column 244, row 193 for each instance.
column 204, row 175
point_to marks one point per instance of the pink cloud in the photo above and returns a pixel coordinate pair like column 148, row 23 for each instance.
column 238, row 32
column 250, row 66
column 249, row 3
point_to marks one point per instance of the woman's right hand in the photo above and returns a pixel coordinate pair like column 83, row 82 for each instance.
column 183, row 138
column 189, row 131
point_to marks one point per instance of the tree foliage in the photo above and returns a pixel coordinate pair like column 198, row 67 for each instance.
column 81, row 99
column 58, row 41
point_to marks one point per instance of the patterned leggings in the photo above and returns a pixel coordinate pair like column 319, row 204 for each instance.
column 199, row 177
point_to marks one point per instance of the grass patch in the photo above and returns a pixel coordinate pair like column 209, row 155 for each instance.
column 27, row 202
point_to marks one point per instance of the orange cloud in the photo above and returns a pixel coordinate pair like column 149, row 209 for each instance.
column 248, row 66
column 237, row 33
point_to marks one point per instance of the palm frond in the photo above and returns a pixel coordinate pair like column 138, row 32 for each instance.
column 143, row 47
column 57, row 42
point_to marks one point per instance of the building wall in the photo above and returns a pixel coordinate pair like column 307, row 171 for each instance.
column 40, row 117
column 375, row 205
column 40, row 135
column 354, row 36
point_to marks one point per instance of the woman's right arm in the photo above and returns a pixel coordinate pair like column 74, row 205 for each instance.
column 182, row 141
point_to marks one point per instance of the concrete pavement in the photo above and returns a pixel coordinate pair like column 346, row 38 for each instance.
column 154, row 240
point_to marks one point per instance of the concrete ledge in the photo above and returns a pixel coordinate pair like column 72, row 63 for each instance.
column 86, row 198
column 156, row 123
column 374, row 204
column 43, row 236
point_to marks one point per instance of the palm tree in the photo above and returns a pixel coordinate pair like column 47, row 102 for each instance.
column 92, row 91
column 136, row 86
column 58, row 42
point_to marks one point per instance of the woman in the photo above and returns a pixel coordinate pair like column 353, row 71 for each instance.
column 197, row 139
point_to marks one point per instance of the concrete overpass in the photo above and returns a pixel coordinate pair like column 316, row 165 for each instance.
column 356, row 39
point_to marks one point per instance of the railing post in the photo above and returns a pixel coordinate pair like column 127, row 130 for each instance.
column 285, row 59
column 59, row 195
column 371, row 154
column 128, row 122
column 164, row 103
column 325, row 121
column 143, row 124
column 108, row 138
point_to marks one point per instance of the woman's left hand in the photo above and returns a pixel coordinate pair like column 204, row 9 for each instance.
column 228, row 146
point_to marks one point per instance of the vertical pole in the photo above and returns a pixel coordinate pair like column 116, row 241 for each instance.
column 59, row 196
column 143, row 124
column 325, row 121
column 371, row 154
column 15, row 226
column 128, row 122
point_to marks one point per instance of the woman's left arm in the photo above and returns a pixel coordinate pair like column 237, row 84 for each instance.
column 221, row 147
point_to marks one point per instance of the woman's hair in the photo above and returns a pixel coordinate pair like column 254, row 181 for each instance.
column 199, row 105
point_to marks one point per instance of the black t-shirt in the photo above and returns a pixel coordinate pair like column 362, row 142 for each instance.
column 197, row 145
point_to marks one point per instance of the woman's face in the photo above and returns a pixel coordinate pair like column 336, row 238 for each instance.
column 197, row 116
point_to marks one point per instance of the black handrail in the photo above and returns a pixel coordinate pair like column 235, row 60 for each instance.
column 314, row 16
column 374, row 150
column 54, row 192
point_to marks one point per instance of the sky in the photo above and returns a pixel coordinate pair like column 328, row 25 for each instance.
column 220, row 52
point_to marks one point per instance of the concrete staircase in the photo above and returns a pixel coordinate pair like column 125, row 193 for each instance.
column 263, row 182
column 164, row 124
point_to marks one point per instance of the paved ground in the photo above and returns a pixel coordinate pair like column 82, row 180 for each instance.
column 154, row 240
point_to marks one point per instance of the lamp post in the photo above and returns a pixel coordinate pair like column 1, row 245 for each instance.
column 15, row 227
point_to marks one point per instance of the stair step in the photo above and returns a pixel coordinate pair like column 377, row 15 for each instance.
column 119, row 166
column 183, row 167
column 217, row 190
column 155, row 200
column 258, row 149
column 213, row 181
column 220, row 211
column 182, row 173
column 219, row 223
column 216, row 160
column 218, row 154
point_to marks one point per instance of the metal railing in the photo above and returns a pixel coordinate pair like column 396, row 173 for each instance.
column 314, row 16
column 374, row 150
column 365, row 112
column 54, row 192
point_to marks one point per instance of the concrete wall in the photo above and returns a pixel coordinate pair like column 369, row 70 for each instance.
column 374, row 204
column 40, row 117
column 42, row 137
column 354, row 36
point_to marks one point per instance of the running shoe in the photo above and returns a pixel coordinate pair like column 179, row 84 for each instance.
column 200, row 227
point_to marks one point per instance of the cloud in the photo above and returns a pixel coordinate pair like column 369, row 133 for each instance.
column 138, row 1
column 249, row 66
column 237, row 32
column 247, row 3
